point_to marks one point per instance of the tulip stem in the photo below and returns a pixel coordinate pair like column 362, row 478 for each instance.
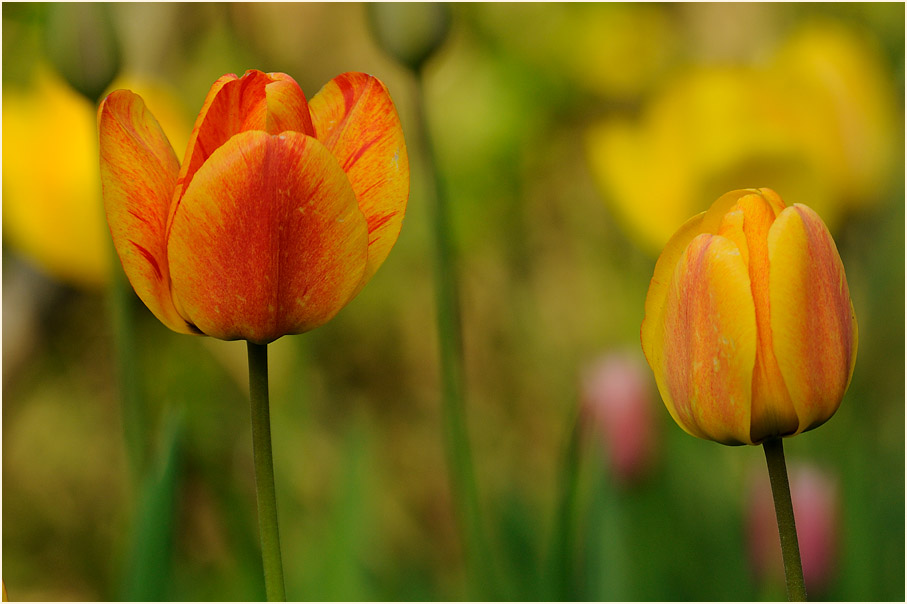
column 450, row 341
column 264, row 473
column 784, row 512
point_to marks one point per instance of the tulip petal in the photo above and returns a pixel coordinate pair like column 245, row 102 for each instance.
column 233, row 105
column 138, row 174
column 714, row 216
column 268, row 239
column 257, row 101
column 355, row 118
column 747, row 224
column 287, row 106
column 710, row 342
column 652, row 330
column 813, row 321
column 710, row 221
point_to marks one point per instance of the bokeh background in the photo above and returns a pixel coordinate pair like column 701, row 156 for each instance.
column 571, row 141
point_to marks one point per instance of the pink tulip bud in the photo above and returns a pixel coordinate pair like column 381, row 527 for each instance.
column 617, row 399
column 815, row 498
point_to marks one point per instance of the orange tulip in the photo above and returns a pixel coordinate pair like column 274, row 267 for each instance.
column 749, row 327
column 280, row 213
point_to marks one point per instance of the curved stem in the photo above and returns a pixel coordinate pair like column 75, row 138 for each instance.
column 264, row 473
column 784, row 512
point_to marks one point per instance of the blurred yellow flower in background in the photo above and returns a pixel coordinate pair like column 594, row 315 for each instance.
column 818, row 121
column 52, row 212
column 603, row 48
column 608, row 48
column 845, row 88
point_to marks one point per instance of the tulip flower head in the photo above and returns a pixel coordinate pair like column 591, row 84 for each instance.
column 279, row 214
column 749, row 327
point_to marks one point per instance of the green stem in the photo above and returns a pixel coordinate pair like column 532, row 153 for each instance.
column 450, row 340
column 784, row 512
column 264, row 473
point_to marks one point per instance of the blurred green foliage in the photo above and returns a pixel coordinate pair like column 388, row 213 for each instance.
column 549, row 280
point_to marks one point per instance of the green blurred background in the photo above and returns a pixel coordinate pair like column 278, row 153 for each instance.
column 571, row 141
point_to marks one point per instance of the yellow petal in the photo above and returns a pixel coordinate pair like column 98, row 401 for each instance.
column 652, row 331
column 710, row 342
column 268, row 239
column 138, row 175
column 748, row 224
column 355, row 118
column 711, row 221
column 813, row 322
column 714, row 216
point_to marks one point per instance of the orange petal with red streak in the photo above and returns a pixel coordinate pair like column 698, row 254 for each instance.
column 268, row 239
column 257, row 101
column 710, row 342
column 287, row 106
column 355, row 118
column 138, row 175
column 233, row 105
column 813, row 322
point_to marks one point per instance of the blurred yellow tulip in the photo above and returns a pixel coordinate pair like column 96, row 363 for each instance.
column 818, row 121
column 840, row 80
column 52, row 211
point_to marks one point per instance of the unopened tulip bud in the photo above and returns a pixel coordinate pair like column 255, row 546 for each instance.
column 617, row 399
column 410, row 31
column 749, row 327
column 82, row 44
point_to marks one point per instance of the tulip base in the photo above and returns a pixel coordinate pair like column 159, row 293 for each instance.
column 784, row 512
column 264, row 473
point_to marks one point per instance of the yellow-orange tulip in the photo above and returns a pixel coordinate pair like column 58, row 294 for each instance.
column 749, row 327
column 280, row 213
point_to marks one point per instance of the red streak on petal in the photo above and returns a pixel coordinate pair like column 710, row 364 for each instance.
column 352, row 159
column 349, row 94
column 376, row 222
column 150, row 258
column 138, row 216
